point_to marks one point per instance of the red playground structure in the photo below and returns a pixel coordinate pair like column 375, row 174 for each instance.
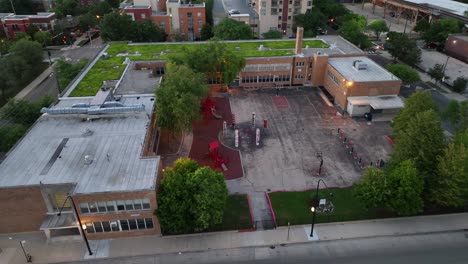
column 209, row 108
column 218, row 160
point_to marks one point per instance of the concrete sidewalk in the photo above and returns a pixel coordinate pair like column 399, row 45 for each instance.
column 50, row 252
column 39, row 79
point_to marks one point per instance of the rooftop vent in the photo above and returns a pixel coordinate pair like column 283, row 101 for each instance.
column 360, row 65
column 87, row 160
column 88, row 132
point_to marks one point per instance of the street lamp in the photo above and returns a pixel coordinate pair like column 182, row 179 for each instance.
column 26, row 255
column 81, row 226
column 313, row 209
column 313, row 220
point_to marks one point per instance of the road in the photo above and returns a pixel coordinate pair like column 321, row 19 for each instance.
column 444, row 248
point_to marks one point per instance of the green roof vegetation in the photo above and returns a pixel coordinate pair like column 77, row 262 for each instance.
column 112, row 68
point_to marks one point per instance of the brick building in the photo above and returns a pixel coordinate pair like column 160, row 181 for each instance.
column 13, row 24
column 92, row 151
column 457, row 46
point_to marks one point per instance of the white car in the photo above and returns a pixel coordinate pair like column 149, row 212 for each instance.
column 233, row 12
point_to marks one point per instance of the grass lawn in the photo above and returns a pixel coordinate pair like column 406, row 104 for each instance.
column 294, row 207
column 236, row 214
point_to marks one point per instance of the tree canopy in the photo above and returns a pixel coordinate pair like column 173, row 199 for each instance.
column 22, row 7
column 378, row 26
column 178, row 98
column 436, row 72
column 438, row 31
column 457, row 114
column 404, row 72
column 352, row 31
column 117, row 27
column 272, row 34
column 459, row 84
column 190, row 198
column 229, row 29
column 372, row 189
column 403, row 48
column 311, row 20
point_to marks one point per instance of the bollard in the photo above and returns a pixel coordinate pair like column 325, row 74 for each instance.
column 351, row 150
column 355, row 155
column 338, row 131
column 265, row 123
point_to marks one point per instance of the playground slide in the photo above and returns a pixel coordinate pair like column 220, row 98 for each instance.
column 218, row 116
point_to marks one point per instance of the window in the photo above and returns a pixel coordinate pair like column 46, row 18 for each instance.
column 189, row 14
column 162, row 24
column 146, row 204
column 110, row 206
column 200, row 22
column 309, row 3
column 333, row 78
column 124, row 225
column 84, row 208
column 106, row 226
column 102, row 207
column 141, row 223
column 263, row 12
column 98, row 227
column 149, row 222
column 143, row 16
column 300, row 64
column 15, row 27
column 289, row 17
column 274, row 3
column 89, row 228
column 120, row 205
column 199, row 14
column 92, row 207
column 263, row 3
column 279, row 17
column 299, row 76
column 279, row 25
column 274, row 11
column 289, row 10
column 290, row 2
column 137, row 204
column 132, row 223
column 129, row 205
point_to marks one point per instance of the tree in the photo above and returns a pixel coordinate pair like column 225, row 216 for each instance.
column 378, row 26
column 421, row 142
column 146, row 31
column 190, row 198
column 403, row 48
column 10, row 134
column 22, row 7
column 67, row 71
column 461, row 137
column 437, row 72
column 459, row 85
column 23, row 112
column 439, row 31
column 178, row 98
column 206, row 32
column 229, row 29
column 26, row 55
column 215, row 60
column 422, row 26
column 405, row 73
column 62, row 8
column 310, row 21
column 406, row 187
column 88, row 21
column 372, row 189
column 457, row 114
column 450, row 185
column 116, row 27
column 330, row 8
column 352, row 31
column 272, row 34
column 43, row 37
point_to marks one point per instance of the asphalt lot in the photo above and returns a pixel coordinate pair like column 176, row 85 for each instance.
column 286, row 156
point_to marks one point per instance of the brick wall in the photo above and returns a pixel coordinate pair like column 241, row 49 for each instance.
column 22, row 209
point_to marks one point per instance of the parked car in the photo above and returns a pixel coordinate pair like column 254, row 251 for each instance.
column 233, row 12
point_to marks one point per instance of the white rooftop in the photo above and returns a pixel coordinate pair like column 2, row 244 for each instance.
column 54, row 150
column 446, row 5
column 378, row 102
column 373, row 73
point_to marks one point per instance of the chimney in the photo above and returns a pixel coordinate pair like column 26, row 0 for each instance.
column 299, row 36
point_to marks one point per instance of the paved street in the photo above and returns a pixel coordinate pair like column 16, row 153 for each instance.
column 427, row 248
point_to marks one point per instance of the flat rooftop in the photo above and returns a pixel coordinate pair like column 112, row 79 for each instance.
column 54, row 151
column 374, row 72
column 446, row 5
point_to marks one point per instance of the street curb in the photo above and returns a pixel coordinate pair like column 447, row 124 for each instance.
column 273, row 215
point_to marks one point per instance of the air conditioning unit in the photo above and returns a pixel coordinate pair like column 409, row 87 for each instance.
column 113, row 223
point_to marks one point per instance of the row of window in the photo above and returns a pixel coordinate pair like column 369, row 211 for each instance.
column 119, row 225
column 190, row 22
column 113, row 206
column 299, row 76
column 300, row 64
column 269, row 78
column 333, row 78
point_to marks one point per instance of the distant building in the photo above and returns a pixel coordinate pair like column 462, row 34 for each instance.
column 176, row 18
column 279, row 14
column 13, row 24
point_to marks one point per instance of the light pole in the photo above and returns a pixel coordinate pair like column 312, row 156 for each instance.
column 313, row 220
column 26, row 255
column 81, row 226
column 313, row 208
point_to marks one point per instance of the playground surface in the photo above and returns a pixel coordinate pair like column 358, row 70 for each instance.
column 300, row 126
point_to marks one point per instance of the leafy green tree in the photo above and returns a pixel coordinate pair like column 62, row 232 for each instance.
column 43, row 37
column 26, row 55
column 461, row 137
column 457, row 114
column 422, row 25
column 230, row 29
column 190, row 198
column 373, row 188
column 214, row 59
column 436, row 72
column 116, row 27
column 360, row 20
column 5, row 45
column 100, row 9
column 310, row 21
column 406, row 189
column 88, row 21
column 147, row 31
column 22, row 7
column 450, row 186
column 378, row 26
column 459, row 85
column 421, row 141
column 10, row 134
column 439, row 31
column 404, row 72
column 31, row 30
column 67, row 71
column 62, row 8
column 23, row 112
column 352, row 31
column 330, row 8
column 403, row 48
column 206, row 32
column 272, row 34
column 178, row 98
column 114, row 3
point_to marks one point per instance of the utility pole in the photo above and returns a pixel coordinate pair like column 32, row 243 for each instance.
column 12, row 7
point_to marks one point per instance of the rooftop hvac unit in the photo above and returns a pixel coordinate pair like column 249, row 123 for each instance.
column 360, row 65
